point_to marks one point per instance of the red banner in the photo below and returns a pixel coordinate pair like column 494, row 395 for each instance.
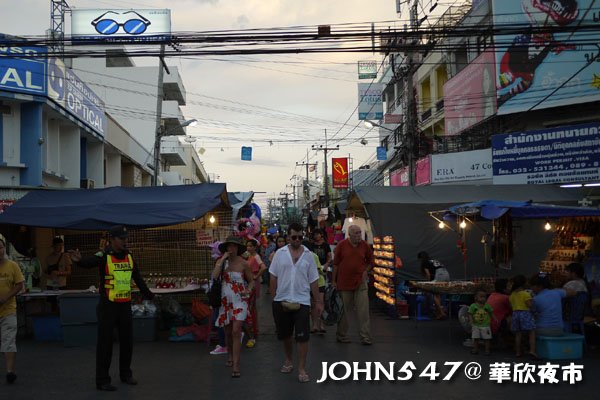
column 339, row 167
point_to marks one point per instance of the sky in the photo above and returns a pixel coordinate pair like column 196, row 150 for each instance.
column 321, row 86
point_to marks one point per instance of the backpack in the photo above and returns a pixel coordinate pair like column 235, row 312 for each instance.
column 334, row 306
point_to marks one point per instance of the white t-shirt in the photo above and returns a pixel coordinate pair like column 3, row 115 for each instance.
column 293, row 280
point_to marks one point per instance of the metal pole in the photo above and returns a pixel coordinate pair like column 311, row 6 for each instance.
column 325, row 177
column 158, row 128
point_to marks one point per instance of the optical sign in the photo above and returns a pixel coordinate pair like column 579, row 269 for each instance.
column 121, row 25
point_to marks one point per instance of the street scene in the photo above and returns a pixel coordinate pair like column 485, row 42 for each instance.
column 284, row 199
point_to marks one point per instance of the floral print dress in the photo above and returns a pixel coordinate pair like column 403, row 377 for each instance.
column 234, row 306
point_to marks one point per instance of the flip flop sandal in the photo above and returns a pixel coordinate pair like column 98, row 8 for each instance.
column 286, row 369
column 314, row 331
column 303, row 378
column 235, row 374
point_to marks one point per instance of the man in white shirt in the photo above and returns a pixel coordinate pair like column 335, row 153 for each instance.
column 294, row 276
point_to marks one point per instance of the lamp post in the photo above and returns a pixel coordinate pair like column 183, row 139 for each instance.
column 371, row 124
column 159, row 135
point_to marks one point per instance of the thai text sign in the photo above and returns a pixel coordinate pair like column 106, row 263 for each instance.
column 556, row 155
column 370, row 104
column 339, row 167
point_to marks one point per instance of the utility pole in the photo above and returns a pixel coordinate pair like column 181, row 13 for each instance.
column 325, row 149
column 411, row 110
column 306, row 187
column 284, row 202
column 158, row 131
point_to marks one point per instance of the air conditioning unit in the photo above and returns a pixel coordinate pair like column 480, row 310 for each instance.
column 87, row 183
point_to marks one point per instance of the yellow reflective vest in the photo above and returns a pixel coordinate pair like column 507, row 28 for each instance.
column 117, row 278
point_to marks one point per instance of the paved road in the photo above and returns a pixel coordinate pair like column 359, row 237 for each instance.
column 187, row 371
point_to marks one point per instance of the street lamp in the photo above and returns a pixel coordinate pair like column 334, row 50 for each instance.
column 371, row 125
column 159, row 135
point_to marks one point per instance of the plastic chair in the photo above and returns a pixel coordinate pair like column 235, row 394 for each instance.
column 575, row 307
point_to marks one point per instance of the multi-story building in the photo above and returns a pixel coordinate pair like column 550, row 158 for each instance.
column 496, row 99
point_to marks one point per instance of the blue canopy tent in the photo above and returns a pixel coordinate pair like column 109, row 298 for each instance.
column 99, row 209
column 493, row 209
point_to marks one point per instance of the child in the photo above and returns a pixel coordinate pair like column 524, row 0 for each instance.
column 481, row 317
column 522, row 317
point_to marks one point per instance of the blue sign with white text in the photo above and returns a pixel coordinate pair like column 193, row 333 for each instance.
column 21, row 71
column 546, row 156
column 381, row 153
column 246, row 153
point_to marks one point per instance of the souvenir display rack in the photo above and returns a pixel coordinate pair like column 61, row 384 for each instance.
column 573, row 242
column 384, row 270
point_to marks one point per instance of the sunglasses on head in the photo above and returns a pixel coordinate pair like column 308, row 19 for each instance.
column 296, row 237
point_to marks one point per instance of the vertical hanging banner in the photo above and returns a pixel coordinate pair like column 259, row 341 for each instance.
column 339, row 166
column 246, row 153
column 370, row 104
column 381, row 153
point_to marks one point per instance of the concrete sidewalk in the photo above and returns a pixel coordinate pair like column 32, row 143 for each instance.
column 187, row 371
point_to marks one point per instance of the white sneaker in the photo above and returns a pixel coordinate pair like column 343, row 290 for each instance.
column 219, row 350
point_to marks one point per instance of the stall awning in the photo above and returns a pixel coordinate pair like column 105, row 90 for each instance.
column 99, row 209
column 492, row 209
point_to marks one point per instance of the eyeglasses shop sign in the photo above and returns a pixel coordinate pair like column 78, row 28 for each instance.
column 122, row 25
column 66, row 89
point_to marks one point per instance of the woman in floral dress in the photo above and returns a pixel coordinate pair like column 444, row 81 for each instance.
column 237, row 285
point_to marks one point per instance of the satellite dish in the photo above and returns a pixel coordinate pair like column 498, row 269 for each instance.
column 201, row 150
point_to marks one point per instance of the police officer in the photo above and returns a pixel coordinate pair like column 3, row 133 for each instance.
column 116, row 268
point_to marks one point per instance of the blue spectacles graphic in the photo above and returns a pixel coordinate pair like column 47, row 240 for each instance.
column 108, row 26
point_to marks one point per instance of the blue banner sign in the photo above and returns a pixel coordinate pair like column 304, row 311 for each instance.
column 26, row 73
column 246, row 153
column 546, row 156
column 381, row 153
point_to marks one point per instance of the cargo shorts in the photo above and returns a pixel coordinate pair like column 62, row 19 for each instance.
column 8, row 334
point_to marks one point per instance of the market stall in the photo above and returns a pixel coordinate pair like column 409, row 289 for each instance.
column 403, row 213
column 172, row 229
column 575, row 231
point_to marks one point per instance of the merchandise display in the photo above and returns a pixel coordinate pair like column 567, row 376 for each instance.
column 384, row 270
column 573, row 242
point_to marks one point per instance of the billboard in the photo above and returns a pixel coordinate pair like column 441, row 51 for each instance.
column 400, row 177
column 470, row 96
column 551, row 62
column 66, row 89
column 120, row 24
column 370, row 102
column 367, row 69
column 459, row 167
column 546, row 156
column 423, row 171
column 339, row 172
column 23, row 69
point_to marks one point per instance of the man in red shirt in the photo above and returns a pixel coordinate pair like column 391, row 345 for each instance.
column 352, row 262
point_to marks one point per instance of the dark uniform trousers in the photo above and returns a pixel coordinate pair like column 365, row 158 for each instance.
column 113, row 315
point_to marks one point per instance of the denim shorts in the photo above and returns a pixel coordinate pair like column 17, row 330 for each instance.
column 522, row 321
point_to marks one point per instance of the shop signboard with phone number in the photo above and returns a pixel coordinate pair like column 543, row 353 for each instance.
column 548, row 156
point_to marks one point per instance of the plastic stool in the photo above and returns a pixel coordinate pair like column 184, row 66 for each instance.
column 420, row 317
